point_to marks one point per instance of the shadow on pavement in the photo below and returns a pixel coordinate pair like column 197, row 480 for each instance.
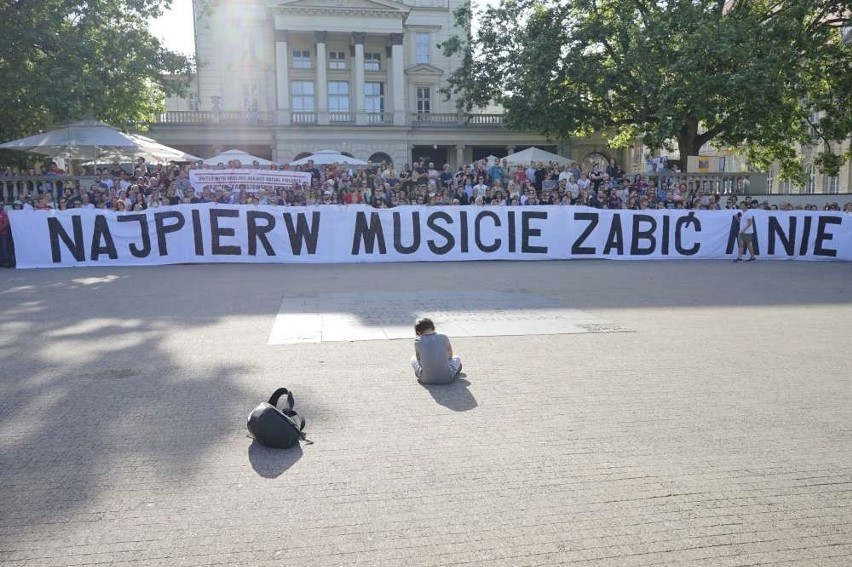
column 455, row 395
column 272, row 463
column 93, row 399
column 575, row 284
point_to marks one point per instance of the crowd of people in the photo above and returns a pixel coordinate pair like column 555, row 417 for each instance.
column 382, row 185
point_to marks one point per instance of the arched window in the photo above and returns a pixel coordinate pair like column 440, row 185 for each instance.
column 380, row 157
column 301, row 155
column 595, row 158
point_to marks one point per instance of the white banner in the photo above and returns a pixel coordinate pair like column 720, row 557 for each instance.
column 351, row 233
column 250, row 180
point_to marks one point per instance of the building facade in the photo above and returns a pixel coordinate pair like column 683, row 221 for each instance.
column 817, row 182
column 285, row 78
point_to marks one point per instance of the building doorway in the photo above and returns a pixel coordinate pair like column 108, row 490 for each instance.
column 435, row 154
column 482, row 152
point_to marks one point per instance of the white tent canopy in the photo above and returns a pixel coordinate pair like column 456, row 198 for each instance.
column 148, row 148
column 326, row 157
column 536, row 155
column 244, row 157
column 79, row 140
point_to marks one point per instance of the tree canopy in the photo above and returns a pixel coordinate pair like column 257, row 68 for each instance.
column 64, row 60
column 759, row 75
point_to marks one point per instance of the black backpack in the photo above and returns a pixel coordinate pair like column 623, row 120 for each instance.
column 274, row 423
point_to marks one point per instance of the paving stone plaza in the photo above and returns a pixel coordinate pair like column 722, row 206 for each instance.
column 611, row 414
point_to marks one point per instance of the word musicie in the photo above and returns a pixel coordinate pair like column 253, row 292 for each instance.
column 204, row 233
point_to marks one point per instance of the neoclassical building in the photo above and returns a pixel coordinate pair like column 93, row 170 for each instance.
column 284, row 78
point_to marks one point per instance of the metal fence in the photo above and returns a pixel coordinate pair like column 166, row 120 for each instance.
column 743, row 183
column 12, row 187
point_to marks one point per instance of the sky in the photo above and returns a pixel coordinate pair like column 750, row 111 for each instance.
column 175, row 26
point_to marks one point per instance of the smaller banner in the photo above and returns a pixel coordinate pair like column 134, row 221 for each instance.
column 249, row 180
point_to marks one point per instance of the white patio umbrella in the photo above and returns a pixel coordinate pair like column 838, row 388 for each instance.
column 79, row 140
column 535, row 155
column 147, row 148
column 326, row 157
column 244, row 157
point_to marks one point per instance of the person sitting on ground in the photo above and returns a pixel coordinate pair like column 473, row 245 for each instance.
column 433, row 361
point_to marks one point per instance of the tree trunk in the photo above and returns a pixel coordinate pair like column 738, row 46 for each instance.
column 688, row 143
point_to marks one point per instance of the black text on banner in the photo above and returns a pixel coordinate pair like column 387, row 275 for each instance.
column 232, row 233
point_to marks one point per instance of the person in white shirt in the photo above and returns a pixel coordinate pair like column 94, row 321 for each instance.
column 480, row 188
column 746, row 233
column 584, row 182
column 573, row 187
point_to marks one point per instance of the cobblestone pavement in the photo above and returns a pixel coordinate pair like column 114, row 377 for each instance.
column 717, row 433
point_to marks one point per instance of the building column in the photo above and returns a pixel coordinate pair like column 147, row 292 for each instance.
column 510, row 150
column 459, row 156
column 322, row 78
column 282, row 77
column 358, row 87
column 398, row 79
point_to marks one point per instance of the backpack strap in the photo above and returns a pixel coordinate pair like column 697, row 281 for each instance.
column 288, row 410
column 299, row 422
column 297, row 419
column 276, row 396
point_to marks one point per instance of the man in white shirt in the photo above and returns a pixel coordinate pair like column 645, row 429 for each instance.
column 480, row 188
column 746, row 233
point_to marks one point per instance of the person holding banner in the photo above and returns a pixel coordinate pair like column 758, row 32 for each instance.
column 6, row 259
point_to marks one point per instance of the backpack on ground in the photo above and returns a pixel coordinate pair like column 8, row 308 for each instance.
column 274, row 423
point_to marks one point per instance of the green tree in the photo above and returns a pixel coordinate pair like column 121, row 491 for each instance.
column 745, row 73
column 64, row 60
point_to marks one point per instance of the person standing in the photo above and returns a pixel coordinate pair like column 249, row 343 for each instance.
column 745, row 237
column 6, row 257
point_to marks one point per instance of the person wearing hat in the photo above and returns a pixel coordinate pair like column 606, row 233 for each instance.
column 6, row 255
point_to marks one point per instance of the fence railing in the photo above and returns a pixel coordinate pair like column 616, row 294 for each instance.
column 215, row 117
column 741, row 183
column 304, row 118
column 379, row 118
column 340, row 117
column 414, row 119
column 485, row 119
column 13, row 187
column 454, row 119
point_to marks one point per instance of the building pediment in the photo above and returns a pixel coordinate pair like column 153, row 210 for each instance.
column 377, row 7
column 424, row 70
